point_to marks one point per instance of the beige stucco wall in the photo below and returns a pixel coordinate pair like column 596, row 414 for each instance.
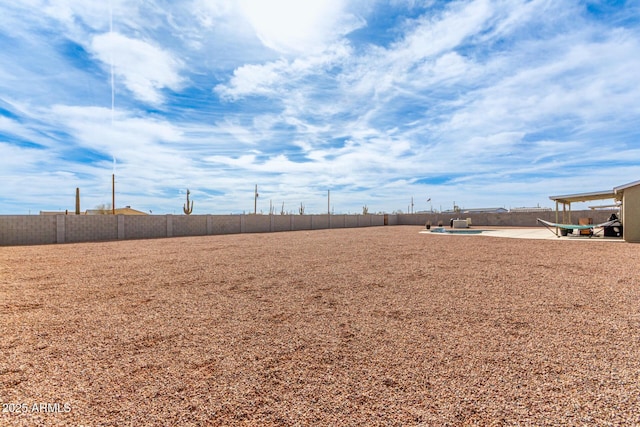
column 631, row 214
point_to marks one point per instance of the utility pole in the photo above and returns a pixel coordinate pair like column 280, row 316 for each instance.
column 412, row 210
column 328, row 202
column 77, row 201
column 113, row 194
column 255, row 200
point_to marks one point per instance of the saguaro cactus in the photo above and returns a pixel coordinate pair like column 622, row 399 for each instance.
column 186, row 208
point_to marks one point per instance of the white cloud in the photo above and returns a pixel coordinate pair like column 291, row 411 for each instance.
column 423, row 57
column 127, row 138
column 15, row 159
column 292, row 26
column 145, row 69
column 254, row 79
column 274, row 77
column 583, row 80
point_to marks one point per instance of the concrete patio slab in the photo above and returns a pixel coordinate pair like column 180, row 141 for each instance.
column 539, row 233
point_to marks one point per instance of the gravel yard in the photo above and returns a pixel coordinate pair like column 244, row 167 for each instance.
column 369, row 326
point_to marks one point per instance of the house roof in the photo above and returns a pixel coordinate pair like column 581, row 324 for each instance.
column 54, row 212
column 128, row 211
column 623, row 187
column 118, row 211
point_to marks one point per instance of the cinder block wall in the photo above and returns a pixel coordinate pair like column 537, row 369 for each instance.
column 47, row 229
column 86, row 228
column 281, row 222
column 27, row 230
column 227, row 224
column 257, row 224
column 320, row 222
column 145, row 227
column 301, row 222
column 337, row 221
column 189, row 225
column 351, row 221
column 375, row 220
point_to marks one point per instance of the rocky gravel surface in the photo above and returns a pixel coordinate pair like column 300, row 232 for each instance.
column 378, row 326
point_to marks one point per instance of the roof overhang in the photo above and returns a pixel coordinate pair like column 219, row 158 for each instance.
column 585, row 197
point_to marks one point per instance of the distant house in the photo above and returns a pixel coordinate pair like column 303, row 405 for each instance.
column 484, row 210
column 54, row 212
column 127, row 210
column 534, row 209
column 476, row 211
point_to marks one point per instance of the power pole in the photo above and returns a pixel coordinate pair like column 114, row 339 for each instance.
column 328, row 202
column 113, row 194
column 255, row 200
column 77, row 201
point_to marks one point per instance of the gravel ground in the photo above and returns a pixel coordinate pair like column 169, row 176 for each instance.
column 371, row 326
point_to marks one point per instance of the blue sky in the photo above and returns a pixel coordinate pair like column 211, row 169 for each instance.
column 483, row 103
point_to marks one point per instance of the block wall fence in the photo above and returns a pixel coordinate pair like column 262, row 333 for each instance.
column 50, row 229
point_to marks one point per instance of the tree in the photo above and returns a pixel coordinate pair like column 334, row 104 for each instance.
column 104, row 209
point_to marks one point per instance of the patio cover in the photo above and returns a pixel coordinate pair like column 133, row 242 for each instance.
column 567, row 199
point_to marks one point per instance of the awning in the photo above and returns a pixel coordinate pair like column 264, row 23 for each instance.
column 586, row 197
